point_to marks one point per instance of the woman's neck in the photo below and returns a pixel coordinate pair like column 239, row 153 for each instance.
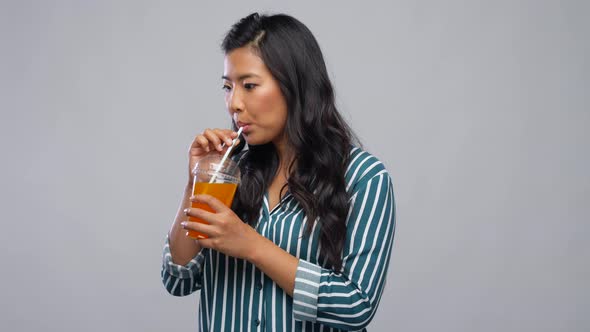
column 285, row 154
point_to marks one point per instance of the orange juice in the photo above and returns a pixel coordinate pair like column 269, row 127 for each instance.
column 222, row 191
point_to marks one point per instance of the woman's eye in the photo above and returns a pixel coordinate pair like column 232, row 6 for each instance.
column 249, row 86
column 226, row 87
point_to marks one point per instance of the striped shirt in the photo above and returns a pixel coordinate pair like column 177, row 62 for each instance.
column 237, row 296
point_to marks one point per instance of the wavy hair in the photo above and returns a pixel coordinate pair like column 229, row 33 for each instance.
column 320, row 138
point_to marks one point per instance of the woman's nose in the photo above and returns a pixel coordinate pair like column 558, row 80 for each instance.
column 235, row 102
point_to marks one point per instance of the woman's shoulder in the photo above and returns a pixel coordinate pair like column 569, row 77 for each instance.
column 362, row 167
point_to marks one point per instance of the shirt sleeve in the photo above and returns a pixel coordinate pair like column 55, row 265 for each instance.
column 181, row 280
column 348, row 299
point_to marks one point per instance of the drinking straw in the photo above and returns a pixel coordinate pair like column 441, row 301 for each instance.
column 227, row 152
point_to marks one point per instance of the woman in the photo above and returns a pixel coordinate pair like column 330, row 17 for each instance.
column 307, row 242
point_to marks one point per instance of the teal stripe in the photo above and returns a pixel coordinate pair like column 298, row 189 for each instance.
column 307, row 281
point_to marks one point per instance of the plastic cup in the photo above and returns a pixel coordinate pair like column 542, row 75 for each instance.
column 216, row 176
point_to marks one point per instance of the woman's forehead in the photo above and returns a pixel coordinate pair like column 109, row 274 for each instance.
column 241, row 62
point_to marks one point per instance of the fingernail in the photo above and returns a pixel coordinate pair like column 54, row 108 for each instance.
column 183, row 224
column 228, row 142
column 186, row 210
column 219, row 147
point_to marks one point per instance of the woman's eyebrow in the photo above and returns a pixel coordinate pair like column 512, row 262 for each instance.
column 241, row 77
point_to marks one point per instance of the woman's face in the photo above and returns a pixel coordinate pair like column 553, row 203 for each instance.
column 253, row 97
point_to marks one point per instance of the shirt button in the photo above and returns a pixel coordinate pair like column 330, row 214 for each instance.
column 257, row 321
column 259, row 285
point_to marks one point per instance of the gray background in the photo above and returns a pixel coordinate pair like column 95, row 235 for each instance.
column 480, row 110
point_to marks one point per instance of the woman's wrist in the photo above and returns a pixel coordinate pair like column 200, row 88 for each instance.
column 258, row 248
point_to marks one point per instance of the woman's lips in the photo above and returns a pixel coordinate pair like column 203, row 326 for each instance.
column 245, row 126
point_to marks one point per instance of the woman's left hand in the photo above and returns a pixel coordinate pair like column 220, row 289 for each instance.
column 227, row 232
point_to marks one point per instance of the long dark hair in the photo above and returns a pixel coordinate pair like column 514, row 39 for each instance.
column 320, row 138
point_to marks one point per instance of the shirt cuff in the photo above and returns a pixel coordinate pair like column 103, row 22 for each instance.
column 305, row 294
column 188, row 271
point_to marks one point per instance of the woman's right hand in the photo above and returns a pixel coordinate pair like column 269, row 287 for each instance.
column 210, row 141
